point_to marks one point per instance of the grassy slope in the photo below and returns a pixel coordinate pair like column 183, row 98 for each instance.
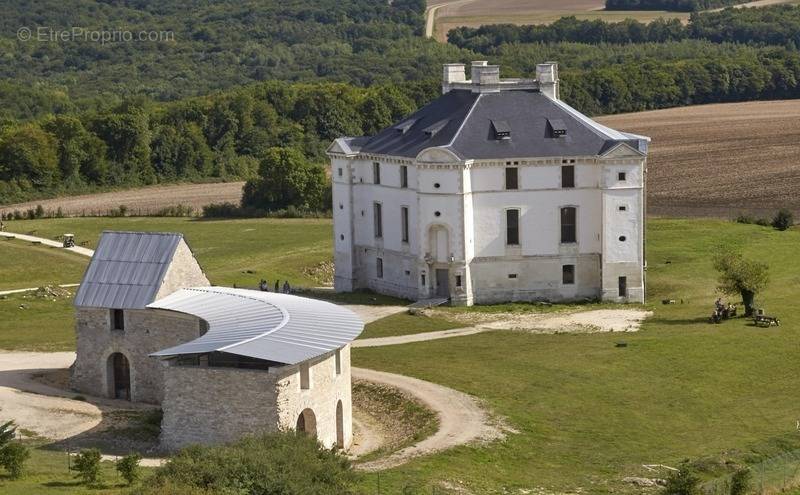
column 589, row 413
column 46, row 472
column 24, row 265
column 405, row 324
column 226, row 248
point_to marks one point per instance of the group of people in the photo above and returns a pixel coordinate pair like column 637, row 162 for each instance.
column 722, row 311
column 263, row 286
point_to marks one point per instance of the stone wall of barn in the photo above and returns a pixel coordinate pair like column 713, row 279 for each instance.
column 207, row 405
column 145, row 332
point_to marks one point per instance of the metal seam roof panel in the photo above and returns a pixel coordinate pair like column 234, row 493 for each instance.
column 263, row 325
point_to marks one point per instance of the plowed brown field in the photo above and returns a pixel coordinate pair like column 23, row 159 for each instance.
column 142, row 201
column 720, row 160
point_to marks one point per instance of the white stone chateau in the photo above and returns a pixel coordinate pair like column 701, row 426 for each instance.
column 496, row 191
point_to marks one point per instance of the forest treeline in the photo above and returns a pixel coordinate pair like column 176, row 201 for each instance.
column 222, row 136
column 671, row 5
column 776, row 25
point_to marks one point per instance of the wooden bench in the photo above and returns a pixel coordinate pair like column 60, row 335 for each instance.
column 766, row 321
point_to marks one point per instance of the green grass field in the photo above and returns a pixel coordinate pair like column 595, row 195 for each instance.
column 587, row 413
column 24, row 265
column 228, row 250
column 405, row 324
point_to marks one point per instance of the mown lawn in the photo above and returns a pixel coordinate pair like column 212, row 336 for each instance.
column 589, row 413
column 24, row 265
column 231, row 252
column 405, row 324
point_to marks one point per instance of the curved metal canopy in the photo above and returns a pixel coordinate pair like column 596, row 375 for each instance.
column 263, row 325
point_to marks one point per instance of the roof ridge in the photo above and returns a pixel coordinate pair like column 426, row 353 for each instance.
column 141, row 232
column 464, row 122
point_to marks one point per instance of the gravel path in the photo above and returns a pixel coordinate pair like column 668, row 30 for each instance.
column 47, row 242
column 31, row 289
column 418, row 337
column 462, row 419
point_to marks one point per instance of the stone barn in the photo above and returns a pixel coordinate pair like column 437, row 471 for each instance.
column 222, row 362
column 115, row 332
column 267, row 362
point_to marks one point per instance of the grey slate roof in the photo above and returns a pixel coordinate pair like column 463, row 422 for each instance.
column 127, row 270
column 264, row 325
column 469, row 132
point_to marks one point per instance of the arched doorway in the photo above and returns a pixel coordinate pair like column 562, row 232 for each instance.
column 339, row 425
column 307, row 422
column 119, row 376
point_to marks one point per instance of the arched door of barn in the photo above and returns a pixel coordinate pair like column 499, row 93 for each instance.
column 307, row 422
column 119, row 376
column 339, row 425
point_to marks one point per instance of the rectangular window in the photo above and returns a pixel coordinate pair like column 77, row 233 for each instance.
column 404, row 223
column 623, row 208
column 568, row 274
column 568, row 176
column 623, row 287
column 379, row 267
column 376, row 173
column 338, row 359
column 378, row 215
column 512, row 178
column 117, row 319
column 305, row 376
column 403, row 176
column 622, row 176
column 458, row 280
column 512, row 227
column 340, row 171
column 568, row 221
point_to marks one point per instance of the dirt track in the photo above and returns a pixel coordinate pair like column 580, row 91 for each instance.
column 145, row 200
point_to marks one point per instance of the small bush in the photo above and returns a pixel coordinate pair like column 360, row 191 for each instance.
column 741, row 481
column 746, row 219
column 783, row 220
column 763, row 222
column 682, row 482
column 13, row 457
column 128, row 468
column 87, row 464
column 277, row 463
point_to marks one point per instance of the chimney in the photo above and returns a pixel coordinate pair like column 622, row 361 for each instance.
column 547, row 77
column 485, row 77
column 453, row 73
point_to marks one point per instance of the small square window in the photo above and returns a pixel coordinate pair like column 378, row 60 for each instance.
column 568, row 274
column 512, row 275
column 623, row 208
column 622, row 176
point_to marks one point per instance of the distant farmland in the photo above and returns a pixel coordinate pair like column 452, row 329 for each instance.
column 479, row 12
column 142, row 201
column 720, row 160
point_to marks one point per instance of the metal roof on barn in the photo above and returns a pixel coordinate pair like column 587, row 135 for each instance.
column 263, row 325
column 127, row 269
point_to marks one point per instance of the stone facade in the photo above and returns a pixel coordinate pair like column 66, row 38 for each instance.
column 146, row 331
column 455, row 244
column 205, row 405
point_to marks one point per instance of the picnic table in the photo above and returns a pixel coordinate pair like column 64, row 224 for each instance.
column 766, row 321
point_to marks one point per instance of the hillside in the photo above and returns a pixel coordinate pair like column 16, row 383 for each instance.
column 720, row 159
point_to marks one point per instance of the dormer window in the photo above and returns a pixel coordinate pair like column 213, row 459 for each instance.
column 431, row 131
column 502, row 131
column 556, row 128
column 404, row 126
